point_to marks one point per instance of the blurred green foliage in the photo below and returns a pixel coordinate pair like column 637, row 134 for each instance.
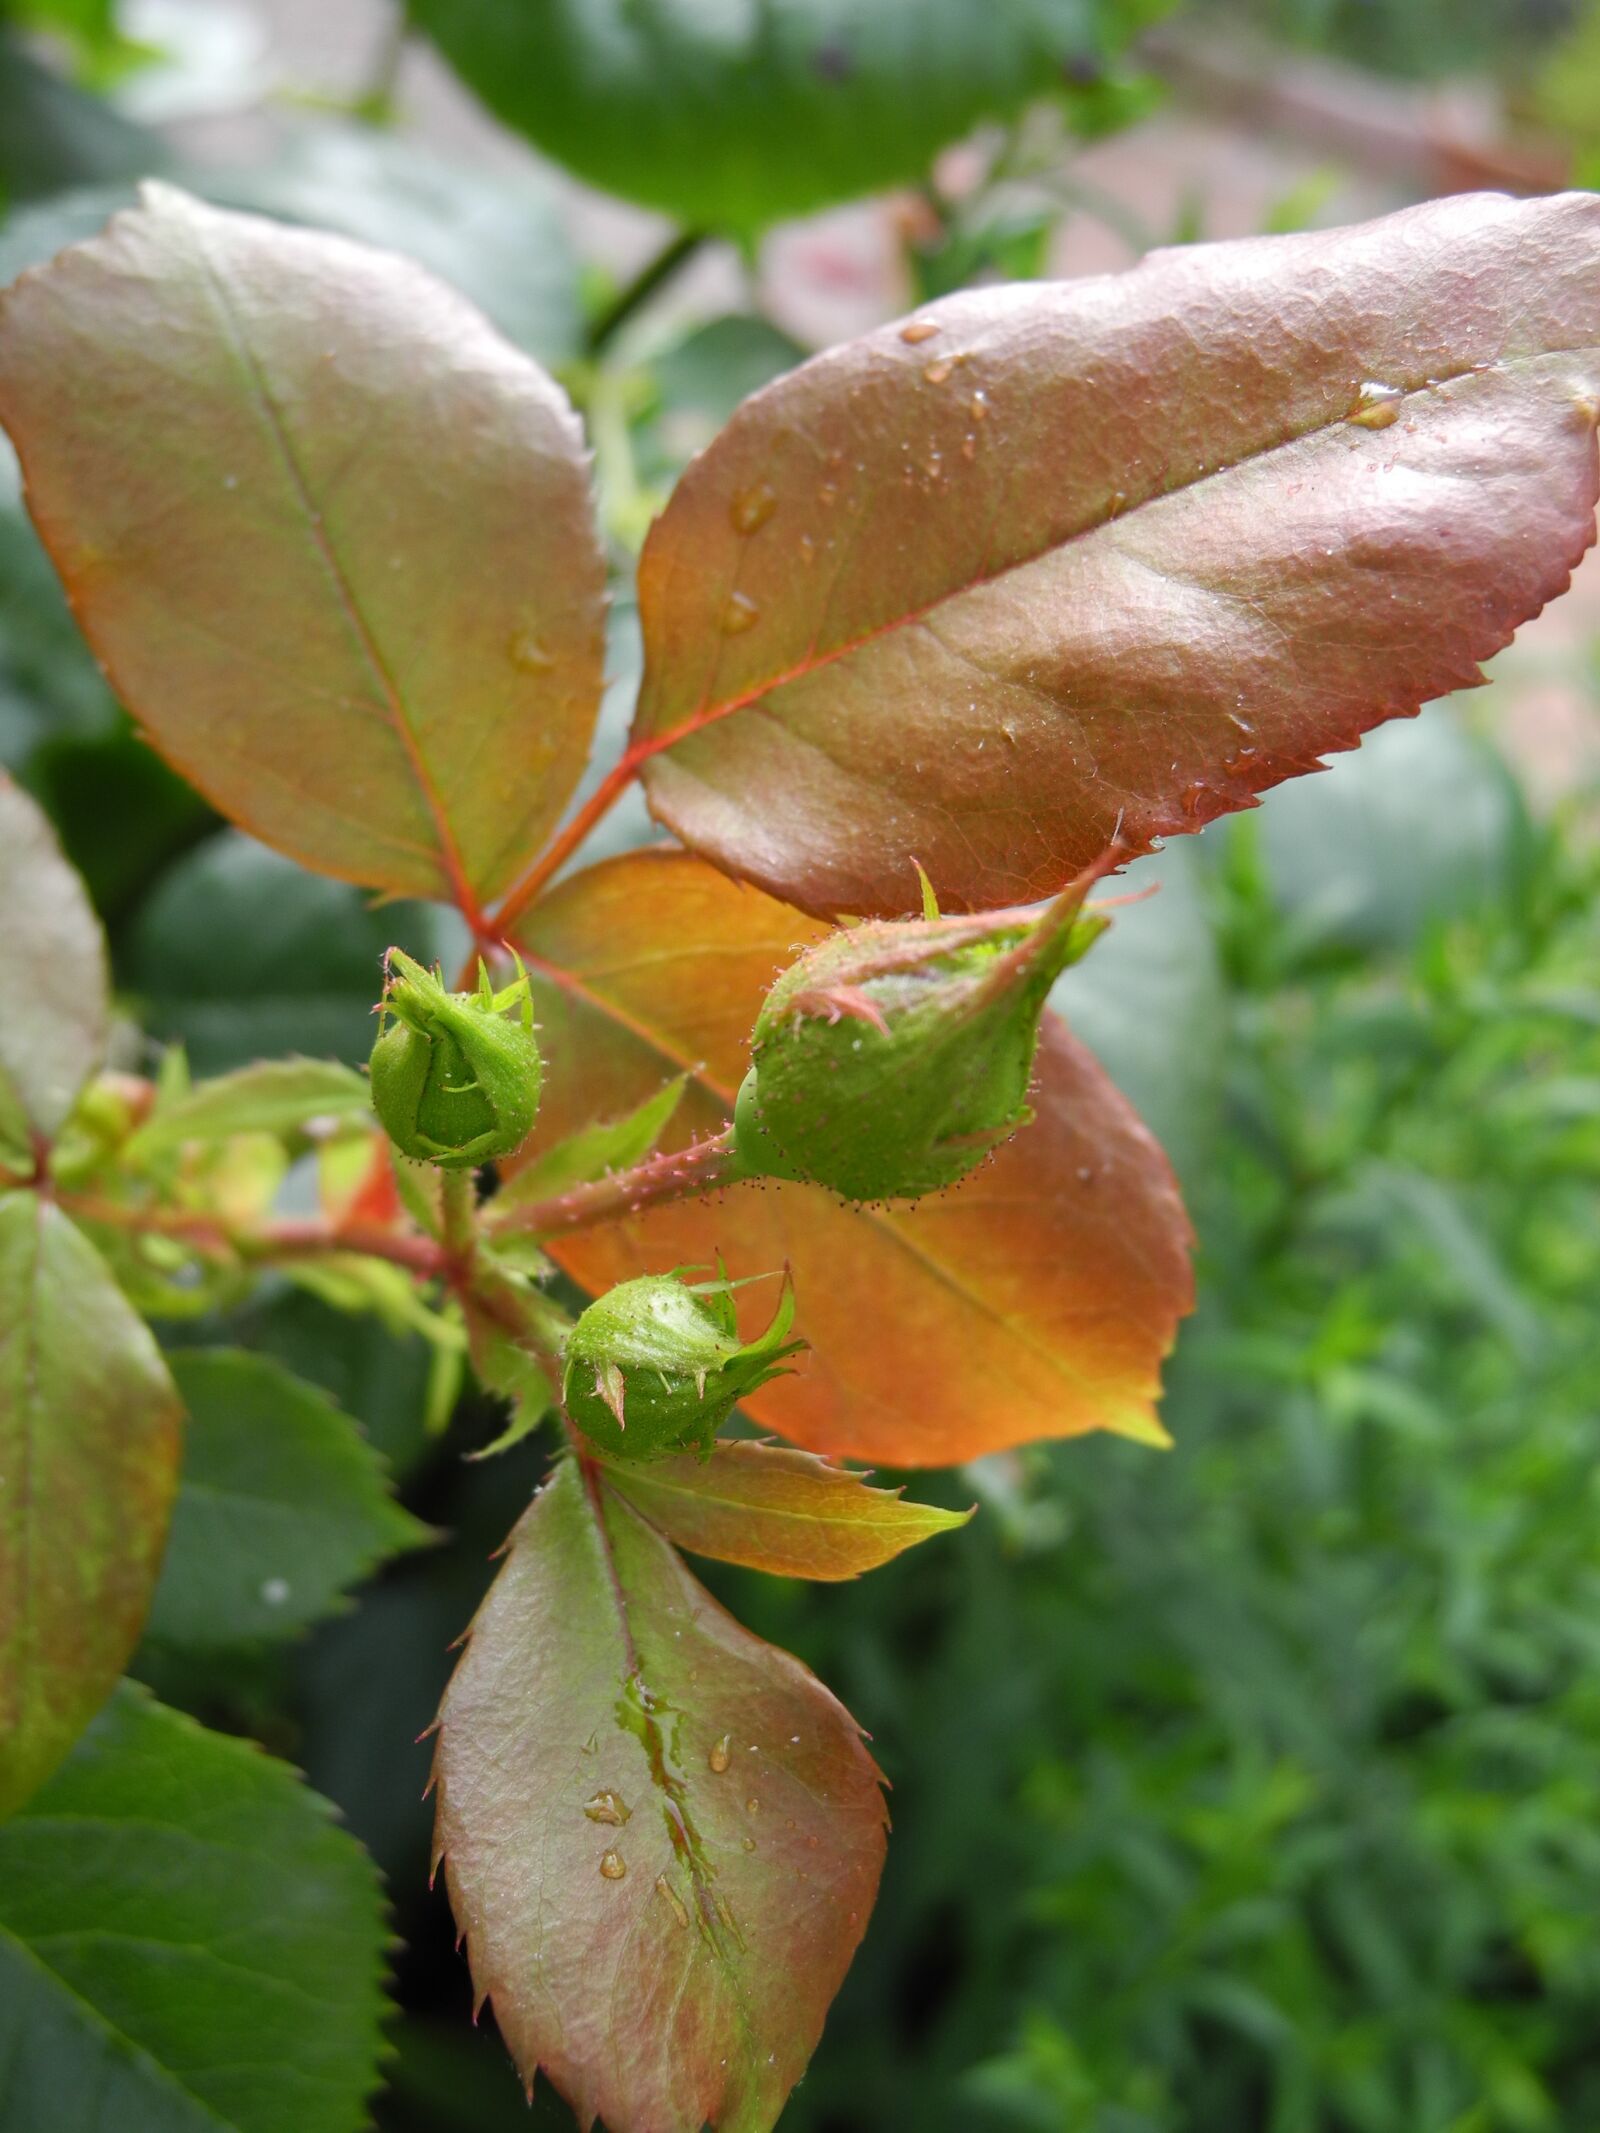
column 1417, row 38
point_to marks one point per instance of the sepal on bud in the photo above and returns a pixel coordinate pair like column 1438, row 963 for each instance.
column 455, row 1076
column 656, row 1365
column 893, row 1057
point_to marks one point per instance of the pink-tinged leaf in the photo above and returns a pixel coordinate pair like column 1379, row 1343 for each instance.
column 330, row 535
column 1054, row 559
column 89, row 1447
column 662, row 1837
column 53, row 1009
column 782, row 1511
column 1036, row 1299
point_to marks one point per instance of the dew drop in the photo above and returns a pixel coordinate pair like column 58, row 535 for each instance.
column 752, row 1807
column 740, row 614
column 1116, row 503
column 751, row 509
column 529, row 654
column 611, row 1866
column 940, row 373
column 808, row 548
column 919, row 330
column 980, row 406
column 1237, row 718
column 721, row 1755
column 1375, row 406
column 609, row 1807
column 828, row 493
column 748, row 1844
column 664, row 1888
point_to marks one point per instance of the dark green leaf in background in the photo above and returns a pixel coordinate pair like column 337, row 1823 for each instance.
column 730, row 114
column 187, row 1943
column 282, row 1506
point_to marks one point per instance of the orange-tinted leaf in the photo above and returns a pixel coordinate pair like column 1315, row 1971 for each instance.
column 662, row 1837
column 778, row 1510
column 1037, row 1299
column 89, row 1444
column 330, row 534
column 1052, row 558
column 53, row 1009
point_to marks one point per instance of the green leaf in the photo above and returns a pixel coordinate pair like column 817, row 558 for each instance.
column 662, row 1837
column 187, row 1943
column 52, row 136
column 399, row 666
column 53, row 1006
column 609, row 1144
column 782, row 1511
column 240, row 955
column 89, row 1450
column 274, row 1096
column 283, row 1506
column 735, row 114
column 1055, row 563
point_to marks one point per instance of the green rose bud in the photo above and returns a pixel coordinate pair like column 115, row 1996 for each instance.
column 656, row 1365
column 893, row 1057
column 455, row 1075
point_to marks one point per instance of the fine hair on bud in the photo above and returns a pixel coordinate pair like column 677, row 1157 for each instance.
column 894, row 1056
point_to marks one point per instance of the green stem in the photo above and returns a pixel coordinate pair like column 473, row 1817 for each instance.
column 459, row 1206
column 634, row 295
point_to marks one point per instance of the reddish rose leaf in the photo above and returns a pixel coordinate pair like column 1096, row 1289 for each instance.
column 1036, row 1299
column 1056, row 558
column 89, row 1447
column 662, row 1837
column 331, row 536
column 53, row 1007
column 782, row 1511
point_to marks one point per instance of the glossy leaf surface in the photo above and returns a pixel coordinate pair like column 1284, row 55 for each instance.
column 187, row 1943
column 782, row 1511
column 53, row 1008
column 283, row 1506
column 1037, row 1299
column 330, row 534
column 662, row 1836
column 731, row 115
column 89, row 1446
column 1051, row 560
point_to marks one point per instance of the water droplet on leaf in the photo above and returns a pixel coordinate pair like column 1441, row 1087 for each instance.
column 608, row 1807
column 1375, row 406
column 529, row 654
column 919, row 330
column 941, row 372
column 721, row 1755
column 751, row 509
column 611, row 1866
column 740, row 614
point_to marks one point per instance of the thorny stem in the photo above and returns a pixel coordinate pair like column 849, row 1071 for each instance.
column 680, row 1176
column 656, row 272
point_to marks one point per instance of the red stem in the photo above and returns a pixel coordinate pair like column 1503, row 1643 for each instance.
column 679, row 1176
column 290, row 1239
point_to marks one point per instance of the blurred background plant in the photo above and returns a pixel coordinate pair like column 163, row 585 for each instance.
column 1255, row 1787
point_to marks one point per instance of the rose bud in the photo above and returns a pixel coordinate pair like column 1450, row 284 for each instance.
column 455, row 1075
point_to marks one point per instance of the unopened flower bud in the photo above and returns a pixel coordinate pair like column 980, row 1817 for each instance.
column 656, row 1365
column 455, row 1076
column 893, row 1057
